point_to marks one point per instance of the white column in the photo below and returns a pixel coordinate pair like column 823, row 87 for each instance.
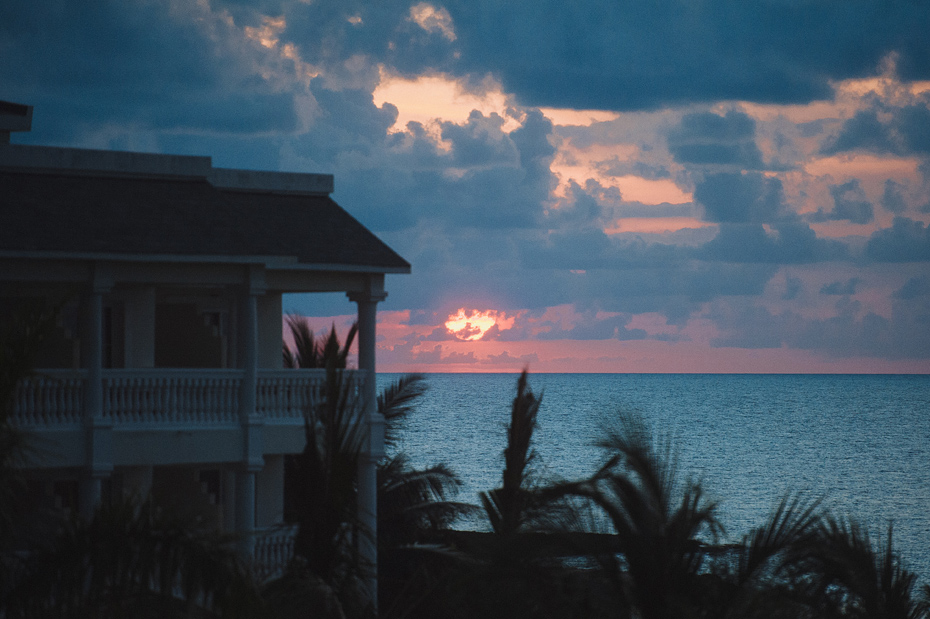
column 98, row 456
column 374, row 445
column 250, row 422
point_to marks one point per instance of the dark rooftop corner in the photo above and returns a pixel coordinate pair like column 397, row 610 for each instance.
column 14, row 117
column 120, row 203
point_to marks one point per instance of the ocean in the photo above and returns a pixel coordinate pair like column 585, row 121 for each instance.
column 861, row 441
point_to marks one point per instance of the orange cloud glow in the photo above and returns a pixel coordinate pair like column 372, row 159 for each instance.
column 577, row 118
column 655, row 224
column 437, row 97
column 582, row 164
column 864, row 166
column 470, row 325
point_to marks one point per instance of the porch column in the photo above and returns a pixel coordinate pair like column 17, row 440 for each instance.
column 249, row 419
column 98, row 454
column 373, row 450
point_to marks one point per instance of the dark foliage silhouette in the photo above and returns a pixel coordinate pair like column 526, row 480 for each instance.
column 130, row 560
column 312, row 353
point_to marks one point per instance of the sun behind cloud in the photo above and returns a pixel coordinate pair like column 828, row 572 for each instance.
column 470, row 325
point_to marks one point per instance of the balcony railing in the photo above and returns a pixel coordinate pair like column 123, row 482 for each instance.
column 187, row 397
column 274, row 548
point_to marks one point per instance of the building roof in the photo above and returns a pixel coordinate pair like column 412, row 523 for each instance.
column 125, row 213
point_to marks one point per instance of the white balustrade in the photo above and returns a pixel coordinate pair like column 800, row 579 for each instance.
column 286, row 395
column 50, row 397
column 194, row 397
column 188, row 397
column 273, row 550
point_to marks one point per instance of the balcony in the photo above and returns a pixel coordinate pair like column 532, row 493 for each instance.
column 169, row 398
column 165, row 417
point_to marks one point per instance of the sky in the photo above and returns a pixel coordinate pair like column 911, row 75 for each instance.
column 598, row 186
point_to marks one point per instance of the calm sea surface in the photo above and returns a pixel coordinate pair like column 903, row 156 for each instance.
column 863, row 441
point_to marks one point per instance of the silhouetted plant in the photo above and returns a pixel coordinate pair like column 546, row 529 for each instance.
column 130, row 561
column 414, row 507
column 508, row 508
column 412, row 503
column 324, row 477
column 658, row 523
column 519, row 570
column 851, row 577
column 761, row 576
column 21, row 340
column 312, row 353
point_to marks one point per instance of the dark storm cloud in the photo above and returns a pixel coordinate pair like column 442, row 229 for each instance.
column 331, row 32
column 439, row 334
column 674, row 291
column 792, row 243
column 885, row 129
column 793, row 287
column 737, row 322
column 892, row 200
column 82, row 64
column 580, row 208
column 479, row 141
column 741, row 198
column 589, row 327
column 913, row 124
column 709, row 139
column 591, row 248
column 849, row 203
column 624, row 56
column 905, row 241
column 628, row 55
column 616, row 167
column 914, row 288
column 841, row 288
column 505, row 358
column 638, row 209
column 501, row 179
column 864, row 131
column 851, row 332
column 505, row 185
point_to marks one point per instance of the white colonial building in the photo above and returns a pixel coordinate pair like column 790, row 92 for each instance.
column 164, row 376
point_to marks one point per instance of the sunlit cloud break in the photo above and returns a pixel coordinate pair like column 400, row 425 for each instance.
column 471, row 325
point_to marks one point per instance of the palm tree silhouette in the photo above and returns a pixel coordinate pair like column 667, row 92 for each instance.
column 130, row 560
column 312, row 353
column 518, row 570
column 413, row 504
column 762, row 575
column 852, row 577
column 657, row 522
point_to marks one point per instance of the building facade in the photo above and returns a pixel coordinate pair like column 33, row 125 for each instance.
column 164, row 375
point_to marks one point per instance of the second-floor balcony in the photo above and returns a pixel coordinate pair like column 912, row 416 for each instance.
column 169, row 398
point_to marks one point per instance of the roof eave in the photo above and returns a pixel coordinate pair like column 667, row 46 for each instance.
column 289, row 263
